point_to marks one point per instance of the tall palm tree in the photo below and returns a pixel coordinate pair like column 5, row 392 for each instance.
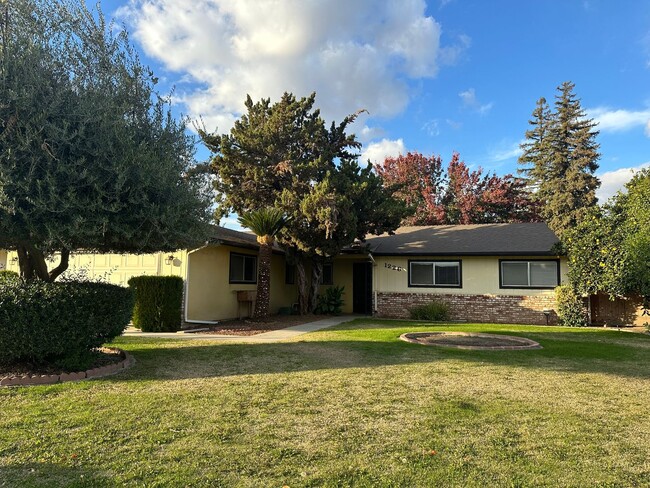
column 265, row 224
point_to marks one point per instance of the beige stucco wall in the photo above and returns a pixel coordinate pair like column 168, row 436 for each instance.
column 119, row 268
column 342, row 274
column 210, row 296
column 3, row 259
column 480, row 276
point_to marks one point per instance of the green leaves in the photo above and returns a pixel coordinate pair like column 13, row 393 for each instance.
column 609, row 250
column 90, row 155
column 559, row 159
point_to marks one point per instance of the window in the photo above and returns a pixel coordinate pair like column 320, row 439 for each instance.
column 289, row 274
column 530, row 274
column 243, row 268
column 327, row 278
column 434, row 273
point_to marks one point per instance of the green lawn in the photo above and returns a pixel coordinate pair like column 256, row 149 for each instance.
column 349, row 406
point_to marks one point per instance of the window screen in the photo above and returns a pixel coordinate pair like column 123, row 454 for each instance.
column 243, row 268
column 434, row 273
column 529, row 274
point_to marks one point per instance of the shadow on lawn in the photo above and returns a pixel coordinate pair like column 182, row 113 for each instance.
column 47, row 475
column 581, row 353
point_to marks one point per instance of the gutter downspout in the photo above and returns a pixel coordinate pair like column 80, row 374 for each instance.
column 374, row 284
column 187, row 290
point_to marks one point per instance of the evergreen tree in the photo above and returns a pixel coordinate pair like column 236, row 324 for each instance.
column 560, row 159
column 90, row 156
column 535, row 156
column 283, row 156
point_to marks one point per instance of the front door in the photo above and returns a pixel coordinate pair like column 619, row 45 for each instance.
column 362, row 288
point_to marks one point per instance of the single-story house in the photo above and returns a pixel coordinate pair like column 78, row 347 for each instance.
column 503, row 273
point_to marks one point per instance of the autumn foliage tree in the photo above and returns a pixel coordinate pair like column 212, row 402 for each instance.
column 455, row 195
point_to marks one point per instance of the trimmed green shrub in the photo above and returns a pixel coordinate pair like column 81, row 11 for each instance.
column 435, row 311
column 158, row 302
column 8, row 277
column 571, row 310
column 60, row 324
column 331, row 301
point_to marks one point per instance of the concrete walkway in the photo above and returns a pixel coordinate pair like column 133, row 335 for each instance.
column 271, row 336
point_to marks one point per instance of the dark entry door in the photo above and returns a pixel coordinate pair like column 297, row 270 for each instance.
column 362, row 288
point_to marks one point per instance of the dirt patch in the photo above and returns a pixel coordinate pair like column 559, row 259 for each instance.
column 249, row 327
column 468, row 340
column 102, row 358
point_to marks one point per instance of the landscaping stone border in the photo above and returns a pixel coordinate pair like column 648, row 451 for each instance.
column 523, row 342
column 49, row 379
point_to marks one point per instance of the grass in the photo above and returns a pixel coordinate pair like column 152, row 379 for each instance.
column 348, row 406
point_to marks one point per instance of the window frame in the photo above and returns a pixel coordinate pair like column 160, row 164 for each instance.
column 433, row 263
column 289, row 274
column 529, row 287
column 245, row 256
column 322, row 276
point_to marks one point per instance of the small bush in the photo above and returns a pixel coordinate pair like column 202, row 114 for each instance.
column 571, row 310
column 331, row 301
column 158, row 302
column 8, row 277
column 434, row 311
column 60, row 324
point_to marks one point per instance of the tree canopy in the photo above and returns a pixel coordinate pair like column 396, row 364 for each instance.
column 282, row 155
column 91, row 157
column 609, row 251
column 455, row 195
column 559, row 159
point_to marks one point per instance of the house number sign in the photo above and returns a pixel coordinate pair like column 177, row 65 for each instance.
column 393, row 267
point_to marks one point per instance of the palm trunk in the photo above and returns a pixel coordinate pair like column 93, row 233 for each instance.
column 263, row 282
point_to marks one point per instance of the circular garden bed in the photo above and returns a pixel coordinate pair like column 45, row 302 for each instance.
column 470, row 340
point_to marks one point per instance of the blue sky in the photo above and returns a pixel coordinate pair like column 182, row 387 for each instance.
column 436, row 77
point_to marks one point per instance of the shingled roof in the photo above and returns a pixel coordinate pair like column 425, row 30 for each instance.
column 237, row 238
column 479, row 240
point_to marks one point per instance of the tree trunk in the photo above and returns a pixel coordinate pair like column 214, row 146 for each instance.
column 303, row 287
column 31, row 262
column 316, row 274
column 263, row 282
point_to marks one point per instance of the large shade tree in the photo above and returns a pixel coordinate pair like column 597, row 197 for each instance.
column 609, row 251
column 90, row 155
column 283, row 156
column 455, row 194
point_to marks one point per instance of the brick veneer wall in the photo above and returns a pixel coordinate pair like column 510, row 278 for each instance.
column 504, row 309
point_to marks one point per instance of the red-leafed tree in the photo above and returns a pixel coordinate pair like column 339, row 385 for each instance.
column 457, row 195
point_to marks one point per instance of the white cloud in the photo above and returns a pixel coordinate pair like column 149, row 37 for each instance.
column 613, row 181
column 366, row 134
column 470, row 101
column 449, row 55
column 378, row 151
column 505, row 152
column 618, row 120
column 353, row 54
column 432, row 127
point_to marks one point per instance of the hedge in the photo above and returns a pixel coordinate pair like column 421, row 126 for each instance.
column 60, row 324
column 571, row 310
column 434, row 311
column 8, row 277
column 158, row 302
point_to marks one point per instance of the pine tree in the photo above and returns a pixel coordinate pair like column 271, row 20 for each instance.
column 534, row 158
column 560, row 159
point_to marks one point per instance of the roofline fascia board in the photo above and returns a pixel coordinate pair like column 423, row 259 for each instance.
column 447, row 254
